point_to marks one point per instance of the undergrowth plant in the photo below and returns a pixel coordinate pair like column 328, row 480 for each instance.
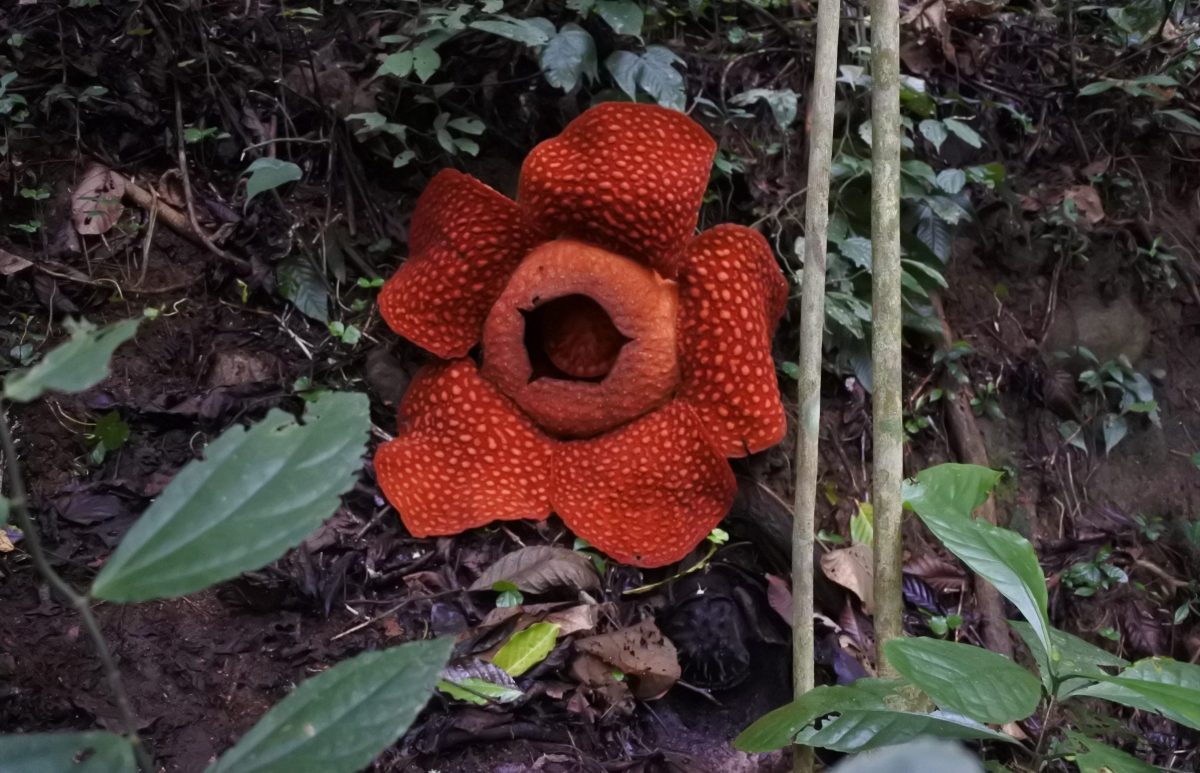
column 256, row 493
column 953, row 690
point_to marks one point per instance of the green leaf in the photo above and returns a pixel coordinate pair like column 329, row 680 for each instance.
column 624, row 67
column 863, row 729
column 569, row 55
column 1187, row 119
column 624, row 16
column 660, row 79
column 467, row 126
column 256, row 493
column 944, row 497
column 399, row 64
column 1072, row 655
column 340, row 720
column 1115, row 429
column 858, row 250
column 78, row 364
column 300, row 282
column 481, row 692
column 927, row 755
column 92, row 752
column 1096, row 757
column 1161, row 685
column 267, row 174
column 1097, row 87
column 111, row 431
column 951, row 180
column 784, row 104
column 967, row 680
column 777, row 729
column 963, row 132
column 527, row 648
column 526, row 31
column 426, row 61
column 935, row 132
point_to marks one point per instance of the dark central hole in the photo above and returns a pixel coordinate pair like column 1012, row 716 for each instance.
column 571, row 338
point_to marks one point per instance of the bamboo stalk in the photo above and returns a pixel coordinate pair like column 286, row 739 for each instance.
column 812, row 328
column 887, row 406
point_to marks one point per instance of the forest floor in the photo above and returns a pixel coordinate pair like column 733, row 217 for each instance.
column 1116, row 531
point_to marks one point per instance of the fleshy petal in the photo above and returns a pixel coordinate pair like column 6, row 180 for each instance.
column 465, row 456
column 731, row 296
column 647, row 493
column 465, row 241
column 628, row 177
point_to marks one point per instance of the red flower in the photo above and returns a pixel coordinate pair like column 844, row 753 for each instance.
column 623, row 357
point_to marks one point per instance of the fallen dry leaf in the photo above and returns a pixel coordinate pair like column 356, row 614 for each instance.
column 779, row 596
column 1087, row 201
column 11, row 264
column 852, row 569
column 96, row 201
column 642, row 653
column 538, row 569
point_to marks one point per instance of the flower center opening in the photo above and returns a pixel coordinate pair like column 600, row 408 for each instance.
column 583, row 339
column 572, row 338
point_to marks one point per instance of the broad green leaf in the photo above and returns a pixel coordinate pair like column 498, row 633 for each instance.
column 927, row 755
column 777, row 729
column 951, row 180
column 967, row 680
column 467, row 125
column 624, row 16
column 569, row 55
column 1096, row 757
column 78, row 364
column 92, row 752
column 944, row 497
column 950, row 490
column 784, row 103
column 340, row 720
column 257, row 493
column 935, row 132
column 659, row 78
column 858, row 250
column 267, row 174
column 624, row 67
column 1161, row 685
column 300, row 282
column 963, row 132
column 399, row 64
column 426, row 61
column 1072, row 655
column 527, row 648
column 934, row 232
column 859, row 730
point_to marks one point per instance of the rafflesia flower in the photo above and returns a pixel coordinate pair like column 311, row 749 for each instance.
column 624, row 358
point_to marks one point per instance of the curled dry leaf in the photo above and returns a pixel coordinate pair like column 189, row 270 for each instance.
column 642, row 653
column 96, row 201
column 1087, row 201
column 852, row 569
column 779, row 596
column 11, row 264
column 538, row 569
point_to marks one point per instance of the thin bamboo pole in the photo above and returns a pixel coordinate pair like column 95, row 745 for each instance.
column 887, row 407
column 812, row 328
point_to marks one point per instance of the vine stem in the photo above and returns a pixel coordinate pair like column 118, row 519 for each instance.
column 19, row 508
